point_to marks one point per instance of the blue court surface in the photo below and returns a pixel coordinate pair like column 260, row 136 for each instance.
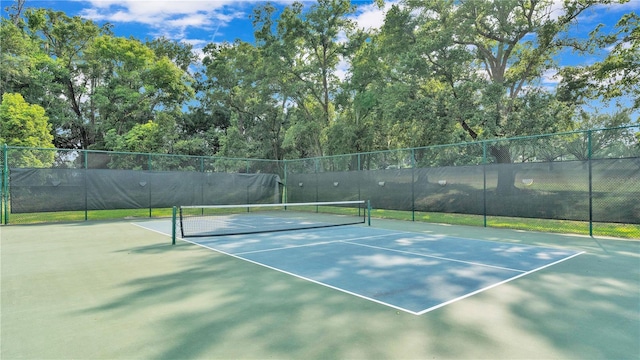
column 408, row 271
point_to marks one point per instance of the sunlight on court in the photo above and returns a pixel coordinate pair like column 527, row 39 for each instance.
column 412, row 272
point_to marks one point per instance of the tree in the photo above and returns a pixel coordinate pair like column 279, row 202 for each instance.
column 619, row 73
column 491, row 56
column 21, row 63
column 24, row 124
column 242, row 94
column 64, row 40
column 99, row 82
column 181, row 54
column 617, row 76
column 280, row 91
column 400, row 102
column 509, row 44
column 199, row 130
column 604, row 143
column 15, row 11
column 142, row 138
column 303, row 52
column 130, row 85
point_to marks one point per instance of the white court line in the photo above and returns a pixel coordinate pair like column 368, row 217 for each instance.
column 376, row 300
column 311, row 244
column 435, row 257
column 522, row 274
column 350, row 241
column 155, row 231
column 303, row 277
column 496, row 284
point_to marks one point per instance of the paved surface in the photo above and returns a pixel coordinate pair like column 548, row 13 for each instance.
column 117, row 291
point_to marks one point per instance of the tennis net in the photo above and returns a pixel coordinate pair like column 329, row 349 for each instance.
column 216, row 220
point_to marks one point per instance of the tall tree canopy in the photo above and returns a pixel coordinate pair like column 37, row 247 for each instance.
column 615, row 78
column 312, row 83
column 89, row 80
column 24, row 124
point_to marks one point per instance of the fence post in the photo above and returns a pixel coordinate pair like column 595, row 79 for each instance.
column 317, row 166
column 413, row 184
column 5, row 183
column 86, row 185
column 2, row 191
column 589, row 156
column 484, row 182
column 285, row 183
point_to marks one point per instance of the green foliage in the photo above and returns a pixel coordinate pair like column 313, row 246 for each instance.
column 193, row 146
column 150, row 137
column 62, row 80
column 302, row 53
column 91, row 82
column 233, row 144
column 24, row 124
column 241, row 93
column 611, row 143
column 181, row 54
column 134, row 82
column 311, row 83
column 493, row 53
column 616, row 77
column 144, row 138
column 26, row 69
column 302, row 138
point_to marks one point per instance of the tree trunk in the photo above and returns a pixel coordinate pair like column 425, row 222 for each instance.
column 506, row 175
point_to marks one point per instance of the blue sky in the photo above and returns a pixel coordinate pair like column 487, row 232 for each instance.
column 200, row 22
column 203, row 21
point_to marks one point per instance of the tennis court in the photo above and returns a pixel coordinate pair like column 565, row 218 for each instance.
column 118, row 290
column 408, row 271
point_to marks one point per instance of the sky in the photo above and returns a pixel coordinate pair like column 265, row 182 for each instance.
column 200, row 22
column 203, row 21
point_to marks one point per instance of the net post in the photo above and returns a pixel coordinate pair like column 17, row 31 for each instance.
column 369, row 212
column 173, row 225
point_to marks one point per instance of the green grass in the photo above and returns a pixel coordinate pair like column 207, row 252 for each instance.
column 629, row 231
column 70, row 216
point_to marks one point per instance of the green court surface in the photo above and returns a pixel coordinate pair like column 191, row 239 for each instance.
column 113, row 290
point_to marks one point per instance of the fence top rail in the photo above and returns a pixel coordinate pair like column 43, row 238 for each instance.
column 470, row 143
column 107, row 152
column 6, row 147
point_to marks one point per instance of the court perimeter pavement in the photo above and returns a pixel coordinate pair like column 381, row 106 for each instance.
column 114, row 290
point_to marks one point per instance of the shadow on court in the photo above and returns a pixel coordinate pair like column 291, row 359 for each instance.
column 113, row 290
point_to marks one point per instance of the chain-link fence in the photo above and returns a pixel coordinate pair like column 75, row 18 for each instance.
column 44, row 185
column 584, row 182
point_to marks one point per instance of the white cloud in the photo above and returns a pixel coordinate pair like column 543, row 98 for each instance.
column 342, row 70
column 556, row 9
column 167, row 17
column 371, row 16
column 551, row 77
column 193, row 20
column 622, row 46
column 162, row 6
column 631, row 5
